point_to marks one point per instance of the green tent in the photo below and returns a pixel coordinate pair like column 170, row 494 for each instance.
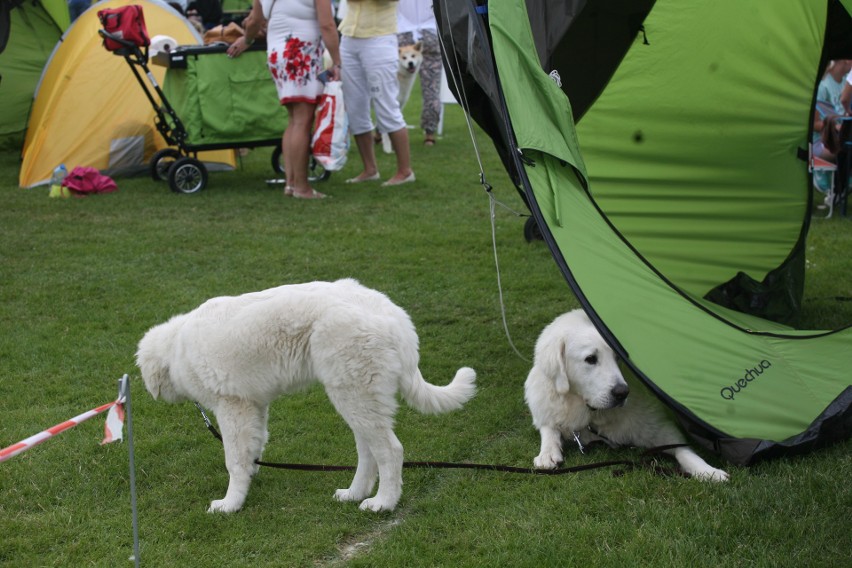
column 29, row 30
column 678, row 206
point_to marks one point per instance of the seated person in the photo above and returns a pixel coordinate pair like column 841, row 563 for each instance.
column 210, row 12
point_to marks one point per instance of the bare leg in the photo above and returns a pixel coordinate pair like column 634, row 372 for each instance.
column 297, row 149
column 367, row 152
column 288, row 167
column 399, row 140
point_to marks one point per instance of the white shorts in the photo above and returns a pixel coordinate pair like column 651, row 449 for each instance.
column 369, row 67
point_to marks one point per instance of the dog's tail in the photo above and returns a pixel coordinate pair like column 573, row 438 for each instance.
column 431, row 399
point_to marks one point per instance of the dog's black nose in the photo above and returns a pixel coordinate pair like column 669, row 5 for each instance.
column 620, row 392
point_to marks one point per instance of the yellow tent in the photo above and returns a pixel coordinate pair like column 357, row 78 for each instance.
column 90, row 110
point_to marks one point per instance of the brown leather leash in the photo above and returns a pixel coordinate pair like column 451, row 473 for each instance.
column 646, row 460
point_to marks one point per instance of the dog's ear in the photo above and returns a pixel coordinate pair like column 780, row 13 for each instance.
column 153, row 357
column 418, row 46
column 154, row 374
column 154, row 389
column 562, row 385
column 550, row 353
column 155, row 369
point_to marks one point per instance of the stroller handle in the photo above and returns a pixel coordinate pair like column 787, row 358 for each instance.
column 115, row 38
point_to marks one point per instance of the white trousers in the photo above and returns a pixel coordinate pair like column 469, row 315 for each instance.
column 369, row 67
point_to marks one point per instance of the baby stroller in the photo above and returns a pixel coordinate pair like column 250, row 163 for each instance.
column 208, row 101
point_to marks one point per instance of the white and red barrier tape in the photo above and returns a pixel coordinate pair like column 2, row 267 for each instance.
column 112, row 429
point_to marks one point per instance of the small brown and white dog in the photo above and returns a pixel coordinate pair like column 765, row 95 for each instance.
column 576, row 386
column 410, row 60
column 236, row 354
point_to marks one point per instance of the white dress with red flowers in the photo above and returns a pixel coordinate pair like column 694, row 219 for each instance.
column 294, row 49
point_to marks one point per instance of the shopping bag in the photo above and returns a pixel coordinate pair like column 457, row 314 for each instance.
column 330, row 143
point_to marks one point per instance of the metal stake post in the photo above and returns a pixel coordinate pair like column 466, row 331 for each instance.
column 124, row 394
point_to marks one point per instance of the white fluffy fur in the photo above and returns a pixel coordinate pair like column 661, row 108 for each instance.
column 234, row 355
column 410, row 59
column 576, row 383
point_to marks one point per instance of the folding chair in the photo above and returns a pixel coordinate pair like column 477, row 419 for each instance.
column 818, row 165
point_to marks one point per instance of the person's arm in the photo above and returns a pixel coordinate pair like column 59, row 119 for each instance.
column 330, row 39
column 818, row 123
column 253, row 24
column 846, row 97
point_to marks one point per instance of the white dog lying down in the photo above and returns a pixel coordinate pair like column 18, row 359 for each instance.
column 575, row 384
column 234, row 355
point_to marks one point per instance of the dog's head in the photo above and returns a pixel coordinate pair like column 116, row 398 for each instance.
column 573, row 353
column 410, row 57
column 152, row 358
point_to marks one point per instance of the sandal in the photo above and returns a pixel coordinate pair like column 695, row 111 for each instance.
column 313, row 195
column 362, row 178
column 407, row 179
column 429, row 140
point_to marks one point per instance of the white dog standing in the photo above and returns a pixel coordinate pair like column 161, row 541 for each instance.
column 236, row 354
column 575, row 384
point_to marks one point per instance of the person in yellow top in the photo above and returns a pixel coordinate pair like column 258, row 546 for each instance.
column 369, row 56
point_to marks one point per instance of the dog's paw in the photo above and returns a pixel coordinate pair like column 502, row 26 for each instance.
column 712, row 474
column 223, row 506
column 547, row 461
column 346, row 495
column 376, row 505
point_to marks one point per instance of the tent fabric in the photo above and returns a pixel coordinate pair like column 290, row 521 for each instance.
column 638, row 252
column 90, row 110
column 58, row 10
column 31, row 30
column 669, row 123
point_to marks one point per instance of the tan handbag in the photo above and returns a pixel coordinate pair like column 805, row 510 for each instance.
column 227, row 34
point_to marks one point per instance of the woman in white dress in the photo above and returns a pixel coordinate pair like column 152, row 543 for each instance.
column 297, row 32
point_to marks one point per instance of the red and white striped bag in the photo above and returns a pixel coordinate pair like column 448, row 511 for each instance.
column 330, row 143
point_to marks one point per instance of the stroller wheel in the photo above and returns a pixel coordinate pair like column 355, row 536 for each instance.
column 187, row 175
column 277, row 164
column 315, row 170
column 161, row 162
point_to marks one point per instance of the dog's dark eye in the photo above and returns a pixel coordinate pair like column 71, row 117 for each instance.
column 592, row 360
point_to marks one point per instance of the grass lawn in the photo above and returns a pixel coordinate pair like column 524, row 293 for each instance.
column 82, row 279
